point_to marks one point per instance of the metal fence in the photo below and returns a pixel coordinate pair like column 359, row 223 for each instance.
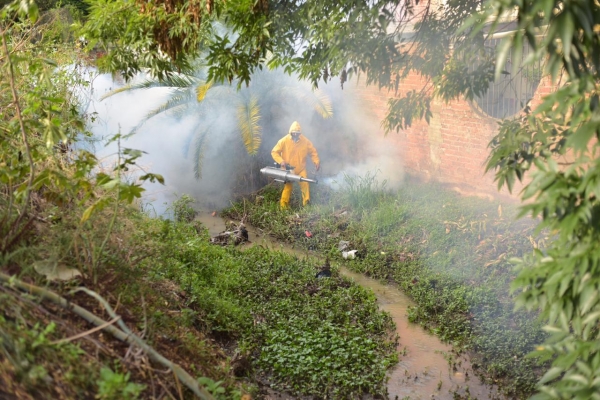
column 510, row 93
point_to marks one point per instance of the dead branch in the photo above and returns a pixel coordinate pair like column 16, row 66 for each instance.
column 88, row 332
column 129, row 337
column 38, row 307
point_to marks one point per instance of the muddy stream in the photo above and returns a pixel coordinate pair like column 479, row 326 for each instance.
column 423, row 371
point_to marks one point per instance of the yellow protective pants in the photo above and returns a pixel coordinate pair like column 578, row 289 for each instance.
column 287, row 192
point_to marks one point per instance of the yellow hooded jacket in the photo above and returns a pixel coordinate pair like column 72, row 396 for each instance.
column 293, row 153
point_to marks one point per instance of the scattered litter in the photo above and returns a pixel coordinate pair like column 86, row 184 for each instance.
column 326, row 273
column 308, row 234
column 214, row 214
column 325, row 270
column 383, row 253
column 349, row 255
column 343, row 245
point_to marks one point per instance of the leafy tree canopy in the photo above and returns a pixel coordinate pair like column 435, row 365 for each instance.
column 317, row 40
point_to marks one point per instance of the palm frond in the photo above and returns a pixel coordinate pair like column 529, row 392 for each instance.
column 178, row 99
column 322, row 104
column 317, row 99
column 201, row 90
column 199, row 147
column 174, row 81
column 177, row 105
column 180, row 81
column 218, row 92
column 248, row 123
column 184, row 98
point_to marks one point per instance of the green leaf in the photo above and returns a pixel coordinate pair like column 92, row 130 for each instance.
column 130, row 192
column 578, row 378
column 588, row 298
column 110, row 184
column 29, row 8
column 517, row 53
column 88, row 213
column 581, row 137
column 552, row 374
column 591, row 318
column 153, row 177
column 566, row 26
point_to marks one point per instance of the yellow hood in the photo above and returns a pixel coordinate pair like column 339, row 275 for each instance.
column 295, row 127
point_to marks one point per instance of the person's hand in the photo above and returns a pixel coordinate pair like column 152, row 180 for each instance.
column 317, row 167
column 283, row 165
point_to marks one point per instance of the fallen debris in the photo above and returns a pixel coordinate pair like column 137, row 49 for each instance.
column 234, row 234
column 349, row 255
column 343, row 245
column 122, row 332
column 325, row 270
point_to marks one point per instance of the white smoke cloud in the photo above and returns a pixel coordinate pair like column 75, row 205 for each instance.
column 351, row 143
column 371, row 153
column 165, row 139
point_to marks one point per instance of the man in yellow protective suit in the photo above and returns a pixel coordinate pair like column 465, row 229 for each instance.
column 293, row 149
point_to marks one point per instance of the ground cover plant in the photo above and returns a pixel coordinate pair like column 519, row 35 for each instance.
column 322, row 337
column 449, row 253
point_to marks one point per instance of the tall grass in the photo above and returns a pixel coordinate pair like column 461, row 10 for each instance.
column 363, row 193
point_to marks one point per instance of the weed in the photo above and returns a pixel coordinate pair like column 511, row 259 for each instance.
column 182, row 209
column 114, row 385
column 363, row 192
column 216, row 389
column 265, row 299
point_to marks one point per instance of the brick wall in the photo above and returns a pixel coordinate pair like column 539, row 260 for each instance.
column 452, row 148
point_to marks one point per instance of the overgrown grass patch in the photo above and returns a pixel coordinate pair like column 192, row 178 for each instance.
column 147, row 303
column 449, row 253
column 188, row 298
column 261, row 299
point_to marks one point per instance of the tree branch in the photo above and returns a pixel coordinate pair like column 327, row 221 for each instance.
column 128, row 337
column 22, row 128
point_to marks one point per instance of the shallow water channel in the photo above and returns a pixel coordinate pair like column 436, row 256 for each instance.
column 424, row 371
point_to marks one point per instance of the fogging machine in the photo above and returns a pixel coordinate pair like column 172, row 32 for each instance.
column 284, row 175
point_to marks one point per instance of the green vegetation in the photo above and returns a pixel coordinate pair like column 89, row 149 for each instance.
column 152, row 302
column 263, row 299
column 114, row 385
column 554, row 150
column 449, row 254
column 183, row 293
